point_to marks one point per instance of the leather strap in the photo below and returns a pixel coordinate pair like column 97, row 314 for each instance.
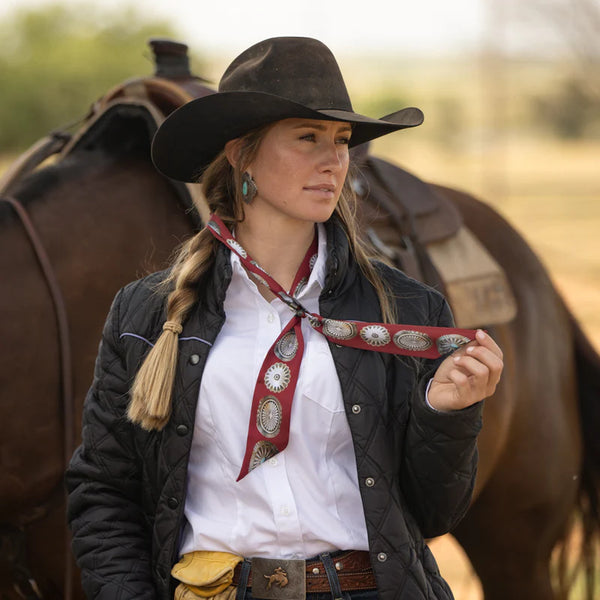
column 62, row 323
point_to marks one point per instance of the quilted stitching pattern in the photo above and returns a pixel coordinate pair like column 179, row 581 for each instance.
column 422, row 462
column 110, row 532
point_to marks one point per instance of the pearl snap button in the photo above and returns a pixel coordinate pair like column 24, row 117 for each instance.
column 356, row 409
column 316, row 571
column 369, row 482
column 194, row 359
column 382, row 557
column 339, row 566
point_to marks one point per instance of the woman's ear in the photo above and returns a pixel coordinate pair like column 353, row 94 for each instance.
column 232, row 151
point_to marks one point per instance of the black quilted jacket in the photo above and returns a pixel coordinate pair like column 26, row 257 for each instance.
column 416, row 467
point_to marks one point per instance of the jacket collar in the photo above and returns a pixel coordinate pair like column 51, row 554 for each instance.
column 338, row 257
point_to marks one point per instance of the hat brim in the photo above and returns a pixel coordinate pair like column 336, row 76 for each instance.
column 193, row 135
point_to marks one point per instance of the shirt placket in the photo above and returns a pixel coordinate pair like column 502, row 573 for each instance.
column 274, row 473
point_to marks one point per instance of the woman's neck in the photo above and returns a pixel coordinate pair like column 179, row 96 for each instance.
column 277, row 248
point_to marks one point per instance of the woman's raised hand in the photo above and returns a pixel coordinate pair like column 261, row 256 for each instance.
column 468, row 375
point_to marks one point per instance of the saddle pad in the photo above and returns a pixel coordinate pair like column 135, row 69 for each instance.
column 475, row 284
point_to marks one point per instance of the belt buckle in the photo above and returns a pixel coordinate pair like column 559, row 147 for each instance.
column 274, row 579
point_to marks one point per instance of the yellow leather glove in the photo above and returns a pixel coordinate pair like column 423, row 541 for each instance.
column 206, row 573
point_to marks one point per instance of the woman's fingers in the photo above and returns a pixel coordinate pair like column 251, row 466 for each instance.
column 473, row 372
column 485, row 340
column 488, row 357
column 483, row 377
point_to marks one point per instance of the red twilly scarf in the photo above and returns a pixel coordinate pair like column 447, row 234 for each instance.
column 269, row 429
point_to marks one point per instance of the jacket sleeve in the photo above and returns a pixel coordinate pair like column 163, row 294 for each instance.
column 111, row 541
column 440, row 454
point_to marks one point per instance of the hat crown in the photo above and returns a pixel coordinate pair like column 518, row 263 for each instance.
column 299, row 69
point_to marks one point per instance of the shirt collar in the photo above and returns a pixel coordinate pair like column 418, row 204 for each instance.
column 317, row 275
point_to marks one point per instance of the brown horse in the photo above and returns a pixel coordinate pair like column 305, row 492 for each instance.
column 106, row 217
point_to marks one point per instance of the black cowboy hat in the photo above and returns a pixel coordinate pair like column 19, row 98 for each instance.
column 278, row 78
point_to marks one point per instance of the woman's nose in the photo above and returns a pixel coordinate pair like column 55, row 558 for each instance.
column 334, row 157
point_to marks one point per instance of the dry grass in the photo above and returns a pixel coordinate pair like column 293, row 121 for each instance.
column 456, row 568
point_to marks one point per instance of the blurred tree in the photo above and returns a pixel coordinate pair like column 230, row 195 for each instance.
column 55, row 61
column 571, row 109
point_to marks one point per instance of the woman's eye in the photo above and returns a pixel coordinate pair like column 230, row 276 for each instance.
column 343, row 140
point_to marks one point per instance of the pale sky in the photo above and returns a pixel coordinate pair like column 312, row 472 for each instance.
column 405, row 27
column 430, row 26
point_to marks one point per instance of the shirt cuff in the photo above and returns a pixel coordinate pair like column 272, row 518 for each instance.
column 437, row 410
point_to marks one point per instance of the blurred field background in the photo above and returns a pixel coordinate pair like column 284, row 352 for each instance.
column 514, row 120
column 501, row 143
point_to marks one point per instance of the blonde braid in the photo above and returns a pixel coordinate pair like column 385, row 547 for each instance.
column 152, row 389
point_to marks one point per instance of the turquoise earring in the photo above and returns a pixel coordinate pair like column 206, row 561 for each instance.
column 249, row 189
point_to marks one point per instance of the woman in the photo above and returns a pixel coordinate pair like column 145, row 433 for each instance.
column 258, row 426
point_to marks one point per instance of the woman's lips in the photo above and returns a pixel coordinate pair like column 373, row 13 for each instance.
column 326, row 189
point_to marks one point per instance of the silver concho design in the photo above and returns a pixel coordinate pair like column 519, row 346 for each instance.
column 262, row 451
column 312, row 261
column 451, row 342
column 268, row 416
column 340, row 330
column 415, row 341
column 286, row 348
column 277, row 377
column 301, row 285
column 214, row 227
column 375, row 335
column 237, row 247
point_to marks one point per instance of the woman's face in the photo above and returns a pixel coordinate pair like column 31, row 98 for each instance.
column 300, row 168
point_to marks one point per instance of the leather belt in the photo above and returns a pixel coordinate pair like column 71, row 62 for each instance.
column 353, row 569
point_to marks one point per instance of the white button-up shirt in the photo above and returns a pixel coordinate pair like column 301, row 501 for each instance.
column 303, row 501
